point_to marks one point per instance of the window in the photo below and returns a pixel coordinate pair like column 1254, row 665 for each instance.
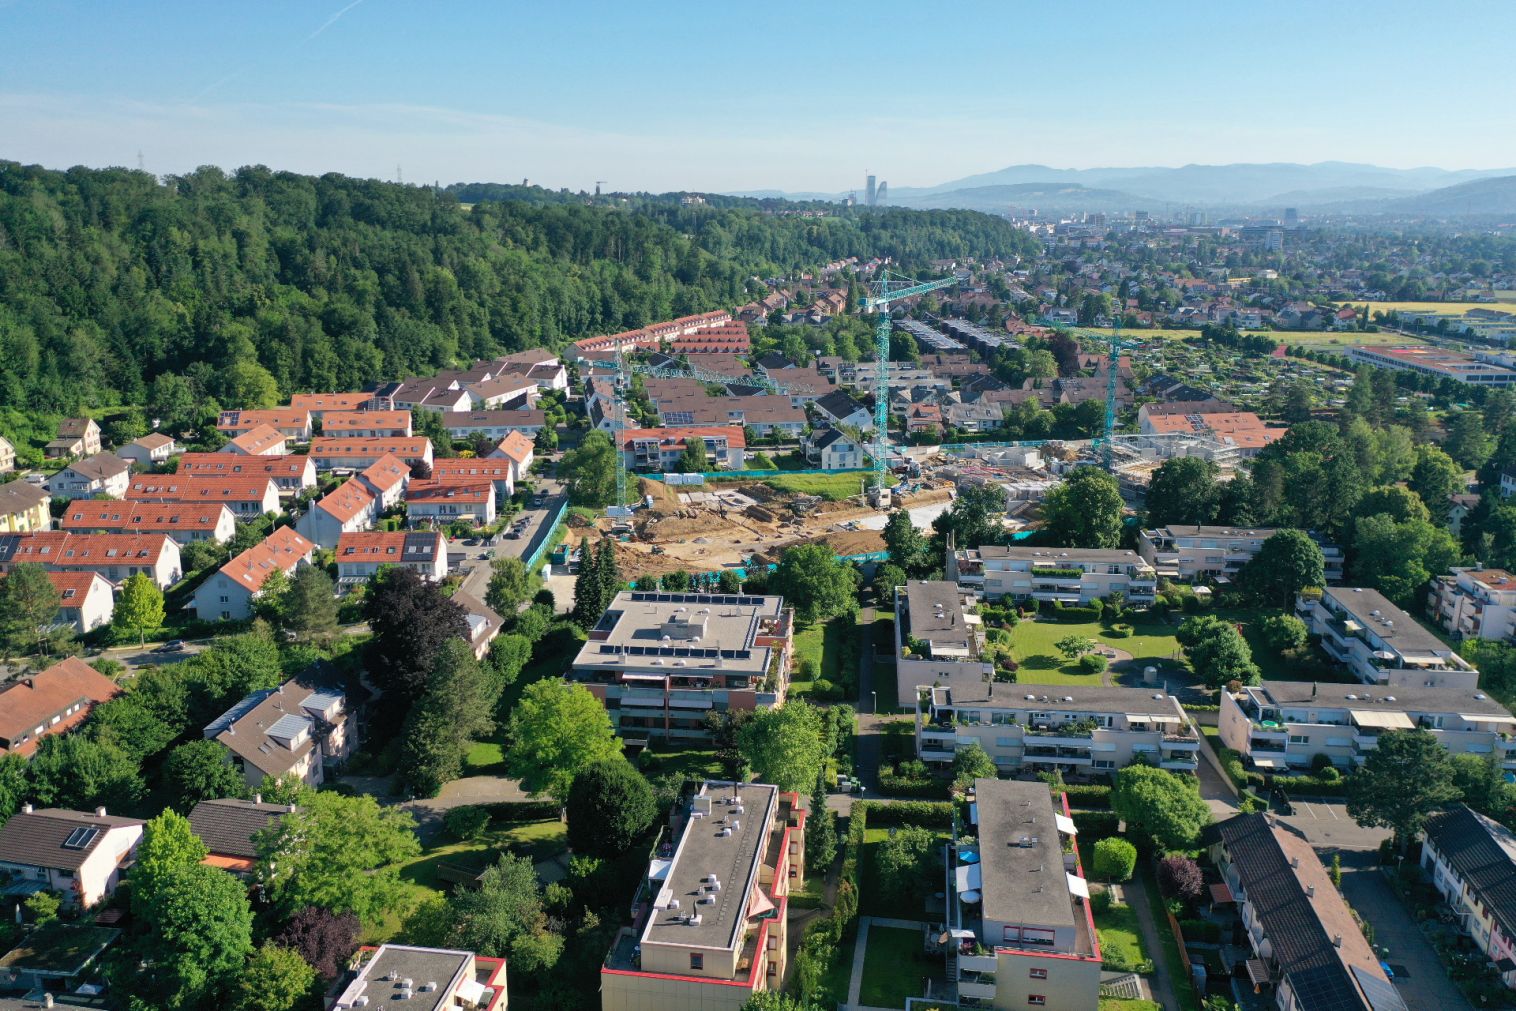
column 1038, row 974
column 1036, row 999
column 697, row 960
column 1299, row 739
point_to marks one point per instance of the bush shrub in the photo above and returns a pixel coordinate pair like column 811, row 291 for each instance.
column 1115, row 859
column 1203, row 931
column 907, row 812
column 1096, row 824
column 467, row 824
column 1092, row 663
column 1120, row 630
column 1088, row 795
column 911, row 779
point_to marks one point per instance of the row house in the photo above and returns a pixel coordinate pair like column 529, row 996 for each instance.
column 387, row 478
column 80, row 856
column 228, row 595
column 659, row 449
column 764, row 415
column 1019, row 924
column 229, row 828
column 661, row 661
column 85, row 600
column 291, row 474
column 1380, row 644
column 540, row 365
column 185, row 522
column 361, row 555
column 292, row 731
column 24, row 508
column 499, row 471
column 1213, row 553
column 76, row 437
column 1306, row 943
column 102, row 475
column 116, row 557
column 710, row 917
column 52, row 701
column 1066, row 575
column 1291, row 724
column 441, row 503
column 351, row 506
column 248, row 496
column 317, row 404
column 293, row 423
column 1475, row 603
column 519, row 451
column 149, row 451
column 367, row 423
column 359, row 454
column 426, row 395
column 493, row 425
column 1471, row 859
column 263, row 440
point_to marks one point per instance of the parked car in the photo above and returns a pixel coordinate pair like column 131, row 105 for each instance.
column 172, row 646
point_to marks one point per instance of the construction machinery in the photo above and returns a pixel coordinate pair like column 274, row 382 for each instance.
column 882, row 294
column 1115, row 345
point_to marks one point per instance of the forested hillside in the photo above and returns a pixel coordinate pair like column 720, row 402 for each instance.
column 241, row 288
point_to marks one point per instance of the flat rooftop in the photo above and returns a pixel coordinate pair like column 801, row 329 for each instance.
column 1376, row 614
column 1202, row 530
column 1439, row 359
column 1021, row 854
column 720, row 838
column 971, row 690
column 1382, row 698
column 709, row 631
column 440, row 967
column 1055, row 556
column 936, row 612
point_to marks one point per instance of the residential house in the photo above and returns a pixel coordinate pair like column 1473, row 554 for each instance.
column 76, row 437
column 228, row 827
column 94, row 476
column 317, row 404
column 185, row 522
column 834, row 449
column 229, row 594
column 1379, row 643
column 387, row 478
column 361, row 555
column 499, row 471
column 52, row 701
column 428, row 395
column 660, row 449
column 763, row 415
column 7, row 456
column 153, row 448
column 24, row 508
column 86, row 601
column 262, row 440
column 54, row 958
column 1066, row 575
column 493, row 425
column 293, row 423
column 1471, row 858
column 1306, row 943
column 291, row 474
column 838, row 409
column 542, row 366
column 360, row 454
column 503, row 392
column 114, row 556
column 924, row 419
column 440, row 503
column 1475, row 603
column 77, row 854
column 710, row 917
column 367, row 424
column 1459, row 508
column 661, row 661
column 351, row 506
column 973, row 418
column 1076, row 731
column 1213, row 553
column 294, row 730
column 1288, row 724
column 1176, row 406
column 936, row 635
column 484, row 622
column 425, row 979
column 1018, row 906
column 248, row 496
column 519, row 450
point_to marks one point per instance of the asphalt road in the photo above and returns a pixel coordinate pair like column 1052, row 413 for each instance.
column 474, row 560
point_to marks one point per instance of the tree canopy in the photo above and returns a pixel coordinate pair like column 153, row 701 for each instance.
column 1160, row 807
column 610, row 806
column 1287, row 563
column 786, row 745
column 1406, row 777
column 815, row 582
column 1084, row 511
column 556, row 730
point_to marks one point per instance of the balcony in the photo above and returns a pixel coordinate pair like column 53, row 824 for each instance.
column 982, row 988
column 1180, row 761
column 1064, row 736
column 969, row 965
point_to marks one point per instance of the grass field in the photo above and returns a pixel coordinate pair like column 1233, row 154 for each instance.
column 1148, row 333
column 1119, row 1004
column 1120, row 938
column 484, row 758
column 1456, row 308
column 1040, row 662
column 1320, row 338
column 892, row 968
column 833, row 487
column 822, row 644
column 689, row 763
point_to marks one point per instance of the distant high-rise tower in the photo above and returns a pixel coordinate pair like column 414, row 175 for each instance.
column 1291, row 217
column 884, row 189
column 870, row 193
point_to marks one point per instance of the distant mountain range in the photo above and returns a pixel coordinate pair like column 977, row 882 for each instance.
column 1338, row 187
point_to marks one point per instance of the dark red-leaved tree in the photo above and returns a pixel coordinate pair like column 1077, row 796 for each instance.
column 1179, row 877
column 323, row 938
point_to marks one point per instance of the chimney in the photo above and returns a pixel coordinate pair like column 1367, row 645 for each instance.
column 30, row 682
column 1295, row 863
column 99, row 812
column 257, row 798
column 1336, row 940
column 26, row 809
column 1310, row 891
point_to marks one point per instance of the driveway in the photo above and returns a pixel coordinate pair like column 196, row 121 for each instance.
column 1418, row 974
column 1326, row 825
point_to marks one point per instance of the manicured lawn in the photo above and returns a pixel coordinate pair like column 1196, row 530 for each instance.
column 1345, row 339
column 1456, row 308
column 689, row 763
column 834, row 487
column 823, row 645
column 1148, row 333
column 1118, row 1004
column 484, row 758
column 1039, row 662
column 839, row 971
column 535, row 839
column 1120, row 940
column 892, row 968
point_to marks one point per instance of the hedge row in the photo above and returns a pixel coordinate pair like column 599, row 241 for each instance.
column 1095, row 796
column 926, row 787
column 1096, row 824
column 523, row 810
column 926, row 813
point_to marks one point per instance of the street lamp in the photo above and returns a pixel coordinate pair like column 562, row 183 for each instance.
column 876, row 702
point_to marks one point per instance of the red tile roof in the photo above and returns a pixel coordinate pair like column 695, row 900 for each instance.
column 348, row 500
column 337, row 423
column 283, row 549
column 82, row 551
column 516, row 447
column 215, row 488
column 157, row 517
column 27, row 702
column 443, row 491
column 329, row 401
column 205, row 464
column 255, row 440
column 386, row 472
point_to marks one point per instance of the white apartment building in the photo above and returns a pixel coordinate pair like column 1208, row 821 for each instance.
column 948, row 637
column 1021, row 930
column 1068, row 575
column 1078, row 731
column 1472, row 861
column 1194, row 553
column 1286, row 724
column 1475, row 603
column 425, row 979
column 1379, row 643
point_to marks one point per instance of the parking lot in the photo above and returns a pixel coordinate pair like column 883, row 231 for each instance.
column 474, row 559
column 1327, row 825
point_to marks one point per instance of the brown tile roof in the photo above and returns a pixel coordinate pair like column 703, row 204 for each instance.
column 455, row 469
column 348, row 500
column 37, row 838
column 21, row 496
column 255, row 440
column 283, row 549
column 227, row 826
column 27, row 702
column 100, row 466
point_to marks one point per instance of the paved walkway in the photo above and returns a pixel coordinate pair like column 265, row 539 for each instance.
column 860, row 948
column 1419, row 975
column 1149, row 925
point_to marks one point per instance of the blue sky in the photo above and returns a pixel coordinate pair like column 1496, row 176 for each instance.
column 718, row 95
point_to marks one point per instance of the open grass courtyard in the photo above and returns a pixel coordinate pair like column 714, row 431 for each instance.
column 892, row 967
column 1039, row 662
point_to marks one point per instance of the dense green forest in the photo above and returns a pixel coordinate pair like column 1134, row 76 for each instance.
column 120, row 289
